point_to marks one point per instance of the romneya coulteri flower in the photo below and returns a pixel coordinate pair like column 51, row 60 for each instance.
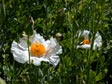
column 87, row 41
column 39, row 50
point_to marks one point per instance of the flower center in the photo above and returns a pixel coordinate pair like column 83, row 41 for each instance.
column 37, row 49
column 86, row 41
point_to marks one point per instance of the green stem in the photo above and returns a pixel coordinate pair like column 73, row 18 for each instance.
column 88, row 68
column 28, row 48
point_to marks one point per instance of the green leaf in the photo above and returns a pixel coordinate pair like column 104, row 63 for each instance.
column 99, row 77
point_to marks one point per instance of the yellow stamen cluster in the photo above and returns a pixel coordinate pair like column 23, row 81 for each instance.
column 86, row 41
column 37, row 49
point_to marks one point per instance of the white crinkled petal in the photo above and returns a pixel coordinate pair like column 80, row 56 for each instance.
column 84, row 46
column 19, row 54
column 54, row 60
column 38, row 38
column 23, row 42
column 37, row 61
column 53, row 47
column 53, row 42
column 97, row 41
column 59, row 50
column 98, row 38
column 84, row 33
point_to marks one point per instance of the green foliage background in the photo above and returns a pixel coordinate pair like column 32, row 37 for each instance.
column 77, row 66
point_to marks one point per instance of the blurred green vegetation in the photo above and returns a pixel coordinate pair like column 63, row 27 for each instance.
column 77, row 66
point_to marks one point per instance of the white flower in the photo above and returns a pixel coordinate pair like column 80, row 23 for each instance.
column 87, row 41
column 40, row 50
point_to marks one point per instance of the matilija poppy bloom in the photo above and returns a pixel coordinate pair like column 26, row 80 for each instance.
column 39, row 50
column 86, row 42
